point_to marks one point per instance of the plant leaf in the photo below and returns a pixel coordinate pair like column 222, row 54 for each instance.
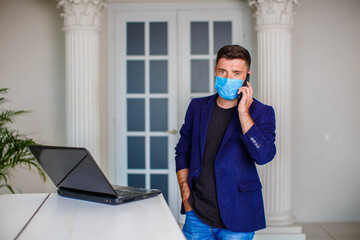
column 14, row 149
column 8, row 187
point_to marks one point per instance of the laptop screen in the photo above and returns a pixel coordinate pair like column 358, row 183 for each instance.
column 72, row 168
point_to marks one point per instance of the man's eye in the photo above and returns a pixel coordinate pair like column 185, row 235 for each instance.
column 237, row 74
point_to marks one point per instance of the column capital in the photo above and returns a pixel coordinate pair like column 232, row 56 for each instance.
column 274, row 12
column 82, row 13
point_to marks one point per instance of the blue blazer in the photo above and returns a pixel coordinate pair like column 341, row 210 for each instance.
column 237, row 181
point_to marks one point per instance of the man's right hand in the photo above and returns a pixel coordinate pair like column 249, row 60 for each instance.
column 185, row 198
column 182, row 176
column 187, row 205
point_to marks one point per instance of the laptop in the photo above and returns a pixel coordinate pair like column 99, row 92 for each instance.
column 76, row 175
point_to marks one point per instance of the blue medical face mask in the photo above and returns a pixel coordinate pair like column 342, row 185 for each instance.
column 227, row 88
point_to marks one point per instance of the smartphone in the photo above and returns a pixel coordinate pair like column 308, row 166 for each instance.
column 247, row 79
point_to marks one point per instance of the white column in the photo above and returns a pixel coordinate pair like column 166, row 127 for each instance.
column 274, row 24
column 82, row 30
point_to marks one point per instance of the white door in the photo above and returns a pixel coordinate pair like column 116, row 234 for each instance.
column 162, row 59
column 146, row 101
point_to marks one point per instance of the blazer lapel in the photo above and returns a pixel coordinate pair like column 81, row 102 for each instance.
column 206, row 111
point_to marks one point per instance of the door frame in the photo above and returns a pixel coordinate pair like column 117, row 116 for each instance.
column 183, row 97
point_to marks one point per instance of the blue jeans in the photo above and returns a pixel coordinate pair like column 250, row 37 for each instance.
column 195, row 229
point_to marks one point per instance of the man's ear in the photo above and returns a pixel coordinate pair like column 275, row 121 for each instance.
column 250, row 72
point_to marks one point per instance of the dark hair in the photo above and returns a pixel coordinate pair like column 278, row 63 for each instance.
column 233, row 52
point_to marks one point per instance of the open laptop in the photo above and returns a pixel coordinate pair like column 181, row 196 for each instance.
column 76, row 175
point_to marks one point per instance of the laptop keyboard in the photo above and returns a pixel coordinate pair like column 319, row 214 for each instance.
column 124, row 193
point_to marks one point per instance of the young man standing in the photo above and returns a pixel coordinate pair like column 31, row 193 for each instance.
column 222, row 138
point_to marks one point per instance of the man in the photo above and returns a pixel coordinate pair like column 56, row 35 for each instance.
column 221, row 140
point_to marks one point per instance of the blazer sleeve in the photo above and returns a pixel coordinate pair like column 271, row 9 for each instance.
column 183, row 148
column 260, row 138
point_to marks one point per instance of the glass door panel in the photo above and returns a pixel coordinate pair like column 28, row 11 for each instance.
column 146, row 51
column 202, row 57
column 147, row 111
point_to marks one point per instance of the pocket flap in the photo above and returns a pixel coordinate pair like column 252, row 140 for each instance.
column 250, row 185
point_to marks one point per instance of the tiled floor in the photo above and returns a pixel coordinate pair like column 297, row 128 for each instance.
column 332, row 231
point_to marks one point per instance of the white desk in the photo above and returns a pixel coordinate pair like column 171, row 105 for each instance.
column 64, row 218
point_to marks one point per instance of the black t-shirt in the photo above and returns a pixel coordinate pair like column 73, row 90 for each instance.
column 203, row 198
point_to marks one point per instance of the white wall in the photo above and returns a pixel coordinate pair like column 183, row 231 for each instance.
column 325, row 98
column 32, row 66
column 326, row 111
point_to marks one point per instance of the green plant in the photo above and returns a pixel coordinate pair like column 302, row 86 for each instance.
column 14, row 149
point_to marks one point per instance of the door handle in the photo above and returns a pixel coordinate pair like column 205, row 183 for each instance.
column 171, row 131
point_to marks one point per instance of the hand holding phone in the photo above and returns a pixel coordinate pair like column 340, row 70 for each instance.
column 247, row 79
